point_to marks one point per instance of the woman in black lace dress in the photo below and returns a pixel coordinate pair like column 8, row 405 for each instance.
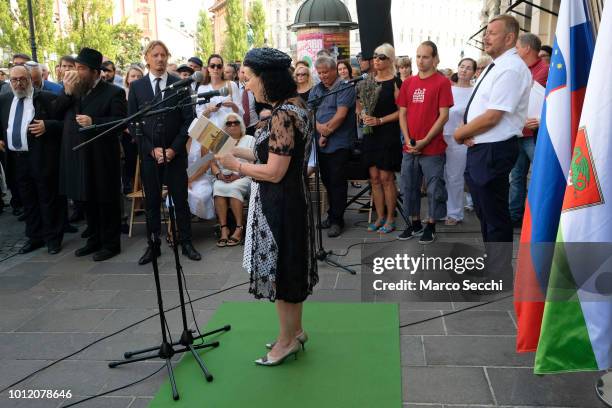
column 279, row 248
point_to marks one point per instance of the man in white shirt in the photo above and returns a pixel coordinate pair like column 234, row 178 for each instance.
column 250, row 116
column 32, row 139
column 494, row 117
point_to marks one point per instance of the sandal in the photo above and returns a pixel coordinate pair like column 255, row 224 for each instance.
column 222, row 242
column 233, row 241
column 387, row 228
column 451, row 221
column 375, row 226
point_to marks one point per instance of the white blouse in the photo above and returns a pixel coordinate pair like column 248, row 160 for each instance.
column 218, row 117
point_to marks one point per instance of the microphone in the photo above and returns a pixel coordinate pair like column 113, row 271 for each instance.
column 219, row 92
column 356, row 79
column 196, row 77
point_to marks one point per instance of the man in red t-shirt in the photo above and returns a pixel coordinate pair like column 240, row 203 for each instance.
column 528, row 48
column 424, row 101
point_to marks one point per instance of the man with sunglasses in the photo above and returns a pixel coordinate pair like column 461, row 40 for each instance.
column 163, row 154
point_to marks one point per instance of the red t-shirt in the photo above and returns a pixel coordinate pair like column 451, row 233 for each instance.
column 423, row 99
column 539, row 72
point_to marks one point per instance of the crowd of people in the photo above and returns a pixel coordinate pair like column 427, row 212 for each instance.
column 461, row 138
column 410, row 128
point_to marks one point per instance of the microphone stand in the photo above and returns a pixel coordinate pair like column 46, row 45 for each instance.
column 167, row 349
column 322, row 254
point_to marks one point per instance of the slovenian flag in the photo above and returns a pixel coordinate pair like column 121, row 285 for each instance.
column 567, row 79
column 576, row 328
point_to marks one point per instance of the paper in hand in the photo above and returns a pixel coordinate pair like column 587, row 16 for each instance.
column 207, row 134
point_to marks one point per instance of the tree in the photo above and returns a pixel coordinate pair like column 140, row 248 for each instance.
column 89, row 26
column 257, row 23
column 236, row 42
column 205, row 44
column 15, row 26
column 129, row 49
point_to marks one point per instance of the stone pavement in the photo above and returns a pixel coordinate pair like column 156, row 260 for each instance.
column 54, row 305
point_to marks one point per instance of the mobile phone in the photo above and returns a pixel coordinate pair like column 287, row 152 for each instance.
column 219, row 104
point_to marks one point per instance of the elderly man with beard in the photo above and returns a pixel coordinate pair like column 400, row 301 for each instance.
column 33, row 141
column 92, row 173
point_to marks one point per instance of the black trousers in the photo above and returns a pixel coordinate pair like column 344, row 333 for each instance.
column 333, row 174
column 104, row 223
column 487, row 175
column 173, row 175
column 38, row 189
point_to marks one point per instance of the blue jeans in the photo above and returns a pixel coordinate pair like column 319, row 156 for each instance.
column 518, row 178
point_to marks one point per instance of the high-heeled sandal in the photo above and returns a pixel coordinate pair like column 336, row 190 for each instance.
column 222, row 242
column 232, row 241
column 302, row 338
column 267, row 361
column 376, row 225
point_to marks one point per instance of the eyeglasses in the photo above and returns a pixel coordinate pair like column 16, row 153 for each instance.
column 231, row 123
column 215, row 66
column 380, row 57
column 17, row 80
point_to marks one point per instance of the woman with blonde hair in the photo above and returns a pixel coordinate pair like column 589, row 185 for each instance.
column 303, row 80
column 382, row 147
column 231, row 188
column 133, row 73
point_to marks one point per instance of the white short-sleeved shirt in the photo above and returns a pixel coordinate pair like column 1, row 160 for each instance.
column 506, row 88
column 218, row 117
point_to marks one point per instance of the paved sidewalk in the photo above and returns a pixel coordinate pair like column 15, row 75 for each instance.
column 54, row 305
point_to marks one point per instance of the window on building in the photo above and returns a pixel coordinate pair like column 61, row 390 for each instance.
column 357, row 38
column 288, row 15
column 278, row 16
column 288, row 40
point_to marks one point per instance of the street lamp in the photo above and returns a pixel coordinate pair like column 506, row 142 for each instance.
column 32, row 38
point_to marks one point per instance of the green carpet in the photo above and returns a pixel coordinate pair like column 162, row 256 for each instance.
column 351, row 360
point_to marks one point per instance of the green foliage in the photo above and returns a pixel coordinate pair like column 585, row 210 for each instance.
column 89, row 26
column 205, row 44
column 15, row 27
column 257, row 22
column 236, row 42
column 129, row 49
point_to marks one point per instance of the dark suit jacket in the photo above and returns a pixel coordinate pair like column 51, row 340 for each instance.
column 176, row 123
column 44, row 150
column 93, row 172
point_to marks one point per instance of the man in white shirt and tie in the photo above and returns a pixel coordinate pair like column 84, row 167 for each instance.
column 32, row 138
column 494, row 117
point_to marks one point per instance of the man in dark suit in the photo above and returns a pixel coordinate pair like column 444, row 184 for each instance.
column 32, row 139
column 163, row 133
column 92, row 174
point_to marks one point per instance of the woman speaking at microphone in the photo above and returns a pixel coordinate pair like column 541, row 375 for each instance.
column 279, row 249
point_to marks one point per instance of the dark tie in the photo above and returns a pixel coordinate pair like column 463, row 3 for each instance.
column 246, row 107
column 157, row 88
column 467, row 108
column 17, row 124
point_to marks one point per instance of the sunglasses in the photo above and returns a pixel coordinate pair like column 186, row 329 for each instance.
column 231, row 123
column 380, row 57
column 301, row 74
column 215, row 66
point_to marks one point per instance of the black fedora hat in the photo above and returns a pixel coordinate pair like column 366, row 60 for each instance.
column 90, row 57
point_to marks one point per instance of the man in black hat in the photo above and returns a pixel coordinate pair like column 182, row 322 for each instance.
column 92, row 174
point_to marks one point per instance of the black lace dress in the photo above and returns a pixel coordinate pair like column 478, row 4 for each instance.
column 279, row 250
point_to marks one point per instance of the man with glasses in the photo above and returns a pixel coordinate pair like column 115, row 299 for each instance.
column 163, row 154
column 32, row 139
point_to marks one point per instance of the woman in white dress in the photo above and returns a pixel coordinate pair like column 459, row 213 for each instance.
column 456, row 154
column 219, row 106
column 230, row 188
